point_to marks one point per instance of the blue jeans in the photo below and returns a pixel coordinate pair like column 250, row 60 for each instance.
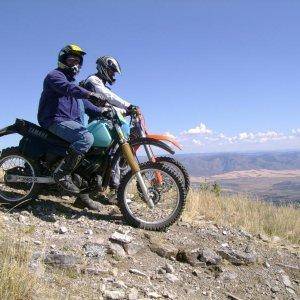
column 75, row 133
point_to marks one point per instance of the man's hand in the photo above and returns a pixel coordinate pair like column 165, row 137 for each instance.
column 131, row 109
column 107, row 113
column 96, row 99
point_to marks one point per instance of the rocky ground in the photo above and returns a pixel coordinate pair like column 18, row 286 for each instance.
column 79, row 254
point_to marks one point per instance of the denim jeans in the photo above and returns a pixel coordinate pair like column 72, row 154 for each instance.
column 75, row 133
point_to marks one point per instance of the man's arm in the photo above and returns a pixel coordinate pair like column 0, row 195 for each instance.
column 61, row 85
column 90, row 109
column 108, row 95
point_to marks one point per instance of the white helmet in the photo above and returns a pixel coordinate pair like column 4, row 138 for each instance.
column 107, row 66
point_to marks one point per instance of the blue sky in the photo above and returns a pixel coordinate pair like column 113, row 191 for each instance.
column 218, row 75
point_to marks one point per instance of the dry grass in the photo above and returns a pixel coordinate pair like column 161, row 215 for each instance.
column 16, row 281
column 240, row 211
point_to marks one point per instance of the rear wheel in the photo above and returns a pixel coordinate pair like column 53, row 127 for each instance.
column 13, row 164
column 168, row 203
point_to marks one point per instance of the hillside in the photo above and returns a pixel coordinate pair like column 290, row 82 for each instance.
column 212, row 164
column 223, row 248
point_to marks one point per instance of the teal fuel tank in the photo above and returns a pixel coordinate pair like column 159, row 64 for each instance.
column 101, row 132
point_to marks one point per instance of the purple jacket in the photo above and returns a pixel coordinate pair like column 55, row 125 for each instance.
column 59, row 102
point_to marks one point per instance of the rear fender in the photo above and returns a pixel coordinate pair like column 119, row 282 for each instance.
column 8, row 130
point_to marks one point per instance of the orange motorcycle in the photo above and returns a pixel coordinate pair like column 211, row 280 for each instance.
column 143, row 144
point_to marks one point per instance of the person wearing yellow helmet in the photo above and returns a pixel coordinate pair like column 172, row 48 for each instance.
column 60, row 112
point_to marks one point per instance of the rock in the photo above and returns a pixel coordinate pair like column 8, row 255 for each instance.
column 249, row 248
column 275, row 289
column 267, row 265
column 209, row 256
column 95, row 271
column 114, row 295
column 161, row 271
column 37, row 242
column 95, row 250
column 224, row 232
column 25, row 213
column 120, row 238
column 120, row 284
column 116, row 249
column 263, row 237
column 88, row 232
column 133, row 294
column 63, row 230
column 237, row 257
column 286, row 281
column 224, row 245
column 114, row 272
column 66, row 198
column 61, row 260
column 153, row 295
column 22, row 219
column 138, row 272
column 196, row 273
column 172, row 277
column 233, row 297
column 189, row 257
column 291, row 291
column 275, row 239
column 163, row 248
column 228, row 276
column 35, row 263
column 132, row 248
column 245, row 233
column 169, row 268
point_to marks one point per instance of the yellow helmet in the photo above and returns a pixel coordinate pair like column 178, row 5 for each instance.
column 71, row 49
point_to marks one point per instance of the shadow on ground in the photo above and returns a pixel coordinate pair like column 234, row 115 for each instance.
column 48, row 208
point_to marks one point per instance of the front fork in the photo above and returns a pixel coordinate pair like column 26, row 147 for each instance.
column 151, row 157
column 131, row 160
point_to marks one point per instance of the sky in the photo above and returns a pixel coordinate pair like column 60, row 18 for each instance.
column 219, row 75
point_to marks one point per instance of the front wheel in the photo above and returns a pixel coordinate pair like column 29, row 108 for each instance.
column 177, row 167
column 168, row 203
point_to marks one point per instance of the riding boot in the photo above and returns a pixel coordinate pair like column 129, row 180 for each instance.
column 84, row 200
column 62, row 174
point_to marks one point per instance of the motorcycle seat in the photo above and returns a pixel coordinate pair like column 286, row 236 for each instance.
column 27, row 128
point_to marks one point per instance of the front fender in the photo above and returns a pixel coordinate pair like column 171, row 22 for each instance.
column 153, row 142
column 164, row 137
column 136, row 143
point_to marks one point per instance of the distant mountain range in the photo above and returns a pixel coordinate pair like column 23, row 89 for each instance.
column 212, row 164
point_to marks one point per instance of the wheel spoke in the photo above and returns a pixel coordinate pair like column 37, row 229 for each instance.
column 15, row 165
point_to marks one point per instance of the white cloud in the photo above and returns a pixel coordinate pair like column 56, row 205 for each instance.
column 210, row 140
column 296, row 131
column 170, row 135
column 200, row 129
column 197, row 142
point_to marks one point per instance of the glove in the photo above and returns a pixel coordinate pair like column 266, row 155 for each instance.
column 107, row 113
column 131, row 109
column 96, row 99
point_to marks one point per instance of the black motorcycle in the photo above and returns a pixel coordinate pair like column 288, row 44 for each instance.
column 150, row 195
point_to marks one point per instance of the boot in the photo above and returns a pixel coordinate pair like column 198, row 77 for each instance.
column 62, row 173
column 109, row 199
column 84, row 200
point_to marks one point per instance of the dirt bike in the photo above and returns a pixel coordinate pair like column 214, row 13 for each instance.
column 140, row 138
column 150, row 195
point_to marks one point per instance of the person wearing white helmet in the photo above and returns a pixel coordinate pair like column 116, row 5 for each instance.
column 107, row 67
